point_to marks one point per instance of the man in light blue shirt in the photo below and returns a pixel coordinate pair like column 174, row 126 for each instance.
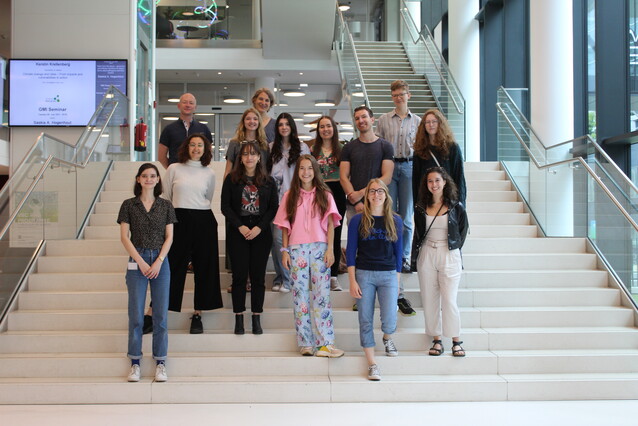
column 399, row 127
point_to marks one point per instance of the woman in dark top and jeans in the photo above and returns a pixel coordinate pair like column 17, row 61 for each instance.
column 149, row 220
column 327, row 151
column 249, row 203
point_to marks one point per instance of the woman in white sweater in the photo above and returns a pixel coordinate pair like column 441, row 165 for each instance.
column 190, row 185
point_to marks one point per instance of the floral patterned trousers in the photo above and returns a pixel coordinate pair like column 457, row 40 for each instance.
column 311, row 295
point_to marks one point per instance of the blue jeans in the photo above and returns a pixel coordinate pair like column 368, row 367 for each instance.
column 384, row 285
column 282, row 275
column 401, row 192
column 137, row 283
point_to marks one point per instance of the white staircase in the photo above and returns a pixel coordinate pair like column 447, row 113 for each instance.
column 383, row 62
column 539, row 321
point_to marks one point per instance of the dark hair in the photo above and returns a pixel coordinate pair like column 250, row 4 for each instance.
column 321, row 198
column 361, row 108
column 450, row 193
column 336, row 146
column 137, row 188
column 238, row 172
column 277, row 146
column 440, row 144
column 183, row 155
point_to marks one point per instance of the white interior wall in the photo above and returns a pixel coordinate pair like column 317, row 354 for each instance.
column 69, row 29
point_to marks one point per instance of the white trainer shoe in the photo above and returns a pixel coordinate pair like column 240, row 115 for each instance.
column 134, row 375
column 160, row 373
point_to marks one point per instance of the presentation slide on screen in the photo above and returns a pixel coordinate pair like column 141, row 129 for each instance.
column 58, row 92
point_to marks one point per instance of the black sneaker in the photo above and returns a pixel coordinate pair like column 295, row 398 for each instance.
column 196, row 324
column 148, row 324
column 405, row 307
column 406, row 268
column 355, row 307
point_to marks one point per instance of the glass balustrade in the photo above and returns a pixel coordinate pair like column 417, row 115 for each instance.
column 51, row 193
column 572, row 189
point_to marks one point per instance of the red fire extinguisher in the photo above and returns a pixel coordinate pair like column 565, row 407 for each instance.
column 140, row 135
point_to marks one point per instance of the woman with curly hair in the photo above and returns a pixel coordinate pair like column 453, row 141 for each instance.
column 284, row 153
column 434, row 146
column 441, row 227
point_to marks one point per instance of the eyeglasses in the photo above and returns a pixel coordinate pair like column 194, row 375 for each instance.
column 432, row 122
column 399, row 95
column 379, row 191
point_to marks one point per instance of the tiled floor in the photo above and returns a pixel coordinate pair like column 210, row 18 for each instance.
column 564, row 413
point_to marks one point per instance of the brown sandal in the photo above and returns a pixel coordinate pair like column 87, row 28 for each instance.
column 459, row 353
column 436, row 351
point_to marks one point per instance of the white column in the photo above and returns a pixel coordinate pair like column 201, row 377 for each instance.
column 256, row 20
column 464, row 58
column 552, row 108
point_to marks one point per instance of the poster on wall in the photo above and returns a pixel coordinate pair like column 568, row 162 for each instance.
column 60, row 92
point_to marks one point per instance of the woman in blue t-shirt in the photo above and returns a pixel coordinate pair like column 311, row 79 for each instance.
column 374, row 258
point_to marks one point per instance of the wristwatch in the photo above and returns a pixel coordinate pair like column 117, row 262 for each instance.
column 284, row 249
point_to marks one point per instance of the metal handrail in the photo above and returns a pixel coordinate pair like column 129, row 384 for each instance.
column 599, row 149
column 454, row 93
column 568, row 161
column 356, row 57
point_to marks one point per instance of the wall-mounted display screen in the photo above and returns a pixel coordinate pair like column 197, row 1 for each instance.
column 55, row 92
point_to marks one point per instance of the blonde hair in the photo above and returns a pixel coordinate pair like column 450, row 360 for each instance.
column 240, row 133
column 367, row 220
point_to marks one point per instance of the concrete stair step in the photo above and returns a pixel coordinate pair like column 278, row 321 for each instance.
column 533, row 279
column 489, row 185
column 492, row 196
column 521, row 245
column 220, row 342
column 495, row 207
column 529, row 261
column 502, row 218
column 503, row 231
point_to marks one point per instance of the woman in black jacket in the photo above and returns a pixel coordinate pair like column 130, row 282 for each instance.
column 439, row 233
column 249, row 203
column 434, row 146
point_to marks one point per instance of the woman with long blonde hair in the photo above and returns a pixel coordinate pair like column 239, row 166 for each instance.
column 249, row 128
column 374, row 257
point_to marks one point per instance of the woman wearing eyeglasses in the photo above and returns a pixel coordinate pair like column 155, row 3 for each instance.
column 434, row 146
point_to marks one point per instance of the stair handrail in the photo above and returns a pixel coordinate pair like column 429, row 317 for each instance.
column 73, row 163
column 579, row 159
column 407, row 17
column 357, row 65
column 587, row 137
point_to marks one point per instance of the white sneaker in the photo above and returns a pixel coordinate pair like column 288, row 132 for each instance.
column 329, row 351
column 160, row 373
column 134, row 375
column 374, row 373
column 334, row 284
column 284, row 289
column 276, row 287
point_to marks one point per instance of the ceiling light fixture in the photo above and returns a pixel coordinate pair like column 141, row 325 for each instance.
column 170, row 118
column 294, row 93
column 312, row 114
column 344, row 7
column 173, row 100
column 324, row 103
column 358, row 94
column 233, row 100
column 281, row 104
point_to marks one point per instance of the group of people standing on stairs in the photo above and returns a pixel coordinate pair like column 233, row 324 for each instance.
column 280, row 197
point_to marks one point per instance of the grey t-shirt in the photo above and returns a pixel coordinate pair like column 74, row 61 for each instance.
column 365, row 160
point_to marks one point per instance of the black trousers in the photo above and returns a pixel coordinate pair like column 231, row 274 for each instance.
column 340, row 201
column 195, row 239
column 249, row 258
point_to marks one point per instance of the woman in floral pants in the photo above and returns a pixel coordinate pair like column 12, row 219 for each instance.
column 307, row 216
